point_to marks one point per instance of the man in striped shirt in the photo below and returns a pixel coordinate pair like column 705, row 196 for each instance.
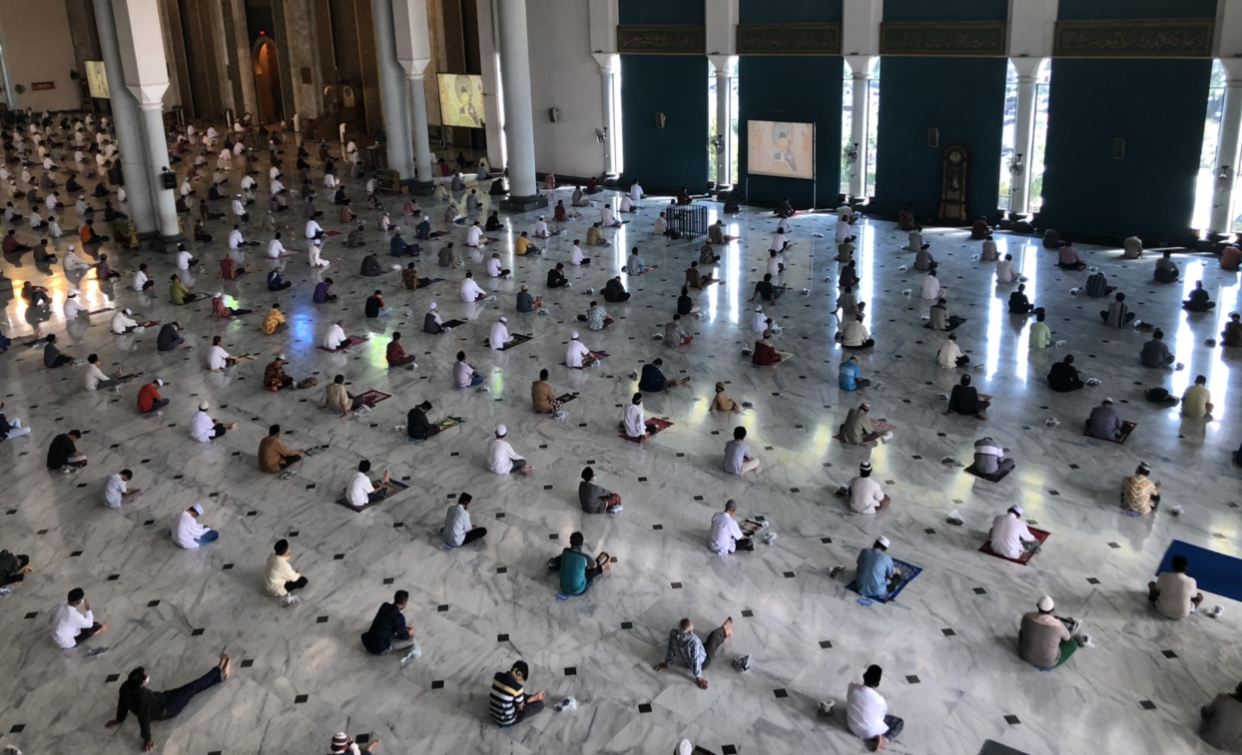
column 509, row 702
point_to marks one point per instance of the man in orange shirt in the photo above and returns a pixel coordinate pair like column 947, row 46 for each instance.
column 89, row 236
column 149, row 398
column 273, row 456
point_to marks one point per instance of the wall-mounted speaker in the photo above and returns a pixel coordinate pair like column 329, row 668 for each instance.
column 659, row 118
column 933, row 137
column 1119, row 148
column 554, row 113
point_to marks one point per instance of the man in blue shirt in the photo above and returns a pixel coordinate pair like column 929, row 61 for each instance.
column 850, row 377
column 398, row 248
column 578, row 572
column 652, row 379
column 875, row 571
column 388, row 630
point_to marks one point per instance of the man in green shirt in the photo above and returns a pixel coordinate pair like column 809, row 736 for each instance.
column 1197, row 400
column 577, row 570
column 178, row 293
column 1041, row 334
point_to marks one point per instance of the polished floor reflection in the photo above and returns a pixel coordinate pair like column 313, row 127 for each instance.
column 947, row 644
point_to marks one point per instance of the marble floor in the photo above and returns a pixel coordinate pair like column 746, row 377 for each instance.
column 947, row 644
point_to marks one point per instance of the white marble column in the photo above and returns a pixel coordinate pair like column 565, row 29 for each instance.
column 519, row 122
column 394, row 98
column 1024, row 134
column 860, row 115
column 130, row 134
column 1227, row 151
column 413, row 52
column 607, row 83
column 141, row 44
column 724, row 119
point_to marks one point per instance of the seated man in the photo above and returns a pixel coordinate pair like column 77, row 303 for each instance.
column 371, row 267
column 1231, row 336
column 1044, row 640
column 1133, row 248
column 725, row 536
column 989, row 251
column 950, row 355
column 337, row 399
column 854, row 334
column 1097, row 285
column 716, row 233
column 593, row 498
column 938, row 314
column 877, row 575
column 849, row 377
column 1174, row 594
column 410, row 279
column 1197, row 400
column 596, row 317
column 675, row 335
column 510, row 705
column 614, row 291
column 695, row 279
column 766, row 354
column 1004, row 270
column 1010, row 538
column 924, row 261
column 395, row 354
column 280, row 578
column 905, row 219
column 274, row 457
column 578, row 571
column 556, row 277
column 990, row 461
column 418, row 427
column 1166, row 269
column 274, row 321
column 652, row 379
column 865, row 494
column 634, row 422
column 767, row 291
column 1230, row 257
column 635, row 265
column 857, row 429
column 685, row 649
column 1068, row 258
column 595, row 237
column 1063, row 377
column 431, row 321
column 1222, row 721
column 964, row 399
column 274, row 377
column 980, row 230
column 277, row 283
column 1018, row 303
column 1198, row 301
column 458, row 530
column 1105, row 424
column 867, row 712
column 464, row 375
column 397, row 246
column 1139, row 495
column 361, row 490
column 388, row 630
column 686, row 305
column 188, row 533
column 737, row 458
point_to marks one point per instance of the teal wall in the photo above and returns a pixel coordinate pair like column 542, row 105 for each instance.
column 789, row 11
column 965, row 99
column 1158, row 107
column 947, row 10
column 776, row 89
column 662, row 12
column 1094, row 10
column 665, row 159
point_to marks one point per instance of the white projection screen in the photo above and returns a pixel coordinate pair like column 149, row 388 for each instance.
column 777, row 148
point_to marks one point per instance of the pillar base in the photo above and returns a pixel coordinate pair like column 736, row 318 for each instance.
column 166, row 244
column 523, row 204
column 420, row 189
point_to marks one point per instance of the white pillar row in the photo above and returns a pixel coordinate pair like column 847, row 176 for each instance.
column 146, row 76
column 861, row 67
column 724, row 118
column 519, row 122
column 413, row 39
column 603, row 15
column 1227, row 151
column 394, row 100
column 493, row 95
column 130, row 132
column 1024, row 135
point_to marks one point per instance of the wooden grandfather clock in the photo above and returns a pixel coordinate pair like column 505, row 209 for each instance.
column 953, row 192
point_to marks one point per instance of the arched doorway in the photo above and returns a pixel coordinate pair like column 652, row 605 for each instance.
column 267, row 81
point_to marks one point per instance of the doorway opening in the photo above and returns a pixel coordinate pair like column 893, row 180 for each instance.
column 267, row 81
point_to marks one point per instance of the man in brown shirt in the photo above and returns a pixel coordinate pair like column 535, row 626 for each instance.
column 273, row 456
column 542, row 395
column 1222, row 721
column 694, row 279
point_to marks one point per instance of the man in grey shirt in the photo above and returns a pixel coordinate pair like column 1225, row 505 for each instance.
column 1155, row 353
column 1222, row 721
column 1045, row 640
column 737, row 455
column 594, row 499
column 1104, row 422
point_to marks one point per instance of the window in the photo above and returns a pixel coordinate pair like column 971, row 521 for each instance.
column 712, row 130
column 847, row 125
column 1033, row 164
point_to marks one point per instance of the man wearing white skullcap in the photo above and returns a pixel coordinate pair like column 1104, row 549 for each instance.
column 204, row 429
column 500, row 339
column 577, row 354
column 877, row 576
column 188, row 533
column 759, row 322
column 866, row 496
column 1045, row 640
column 1010, row 536
column 501, row 458
column 431, row 321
